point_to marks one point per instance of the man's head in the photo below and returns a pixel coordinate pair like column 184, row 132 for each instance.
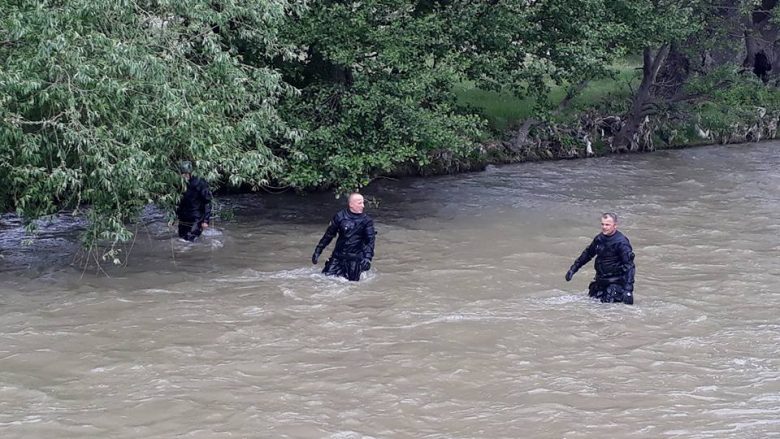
column 185, row 168
column 355, row 203
column 609, row 222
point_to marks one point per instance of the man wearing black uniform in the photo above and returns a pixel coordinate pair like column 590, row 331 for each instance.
column 194, row 210
column 355, row 244
column 614, row 281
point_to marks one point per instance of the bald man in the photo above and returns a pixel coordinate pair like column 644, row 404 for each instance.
column 355, row 244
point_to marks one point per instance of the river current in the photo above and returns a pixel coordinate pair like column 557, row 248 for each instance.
column 464, row 327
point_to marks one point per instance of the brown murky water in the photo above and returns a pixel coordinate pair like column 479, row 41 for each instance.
column 465, row 327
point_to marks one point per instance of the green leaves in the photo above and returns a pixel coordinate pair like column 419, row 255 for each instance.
column 377, row 76
column 729, row 102
column 376, row 83
column 100, row 98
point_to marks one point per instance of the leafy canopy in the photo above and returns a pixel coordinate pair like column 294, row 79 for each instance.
column 99, row 99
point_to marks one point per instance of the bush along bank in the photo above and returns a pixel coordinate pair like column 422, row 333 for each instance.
column 726, row 107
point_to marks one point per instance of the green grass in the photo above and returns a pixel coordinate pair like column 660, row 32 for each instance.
column 504, row 110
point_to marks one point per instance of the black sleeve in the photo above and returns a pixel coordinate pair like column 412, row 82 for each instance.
column 330, row 233
column 586, row 256
column 370, row 238
column 627, row 265
column 205, row 194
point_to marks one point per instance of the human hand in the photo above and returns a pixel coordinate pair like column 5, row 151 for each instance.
column 365, row 264
column 316, row 255
column 204, row 225
column 569, row 275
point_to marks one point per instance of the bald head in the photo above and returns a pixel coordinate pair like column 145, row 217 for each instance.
column 355, row 202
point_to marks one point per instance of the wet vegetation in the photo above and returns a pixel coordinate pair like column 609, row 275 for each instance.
column 99, row 99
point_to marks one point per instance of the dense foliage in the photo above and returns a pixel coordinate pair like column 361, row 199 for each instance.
column 99, row 99
column 376, row 93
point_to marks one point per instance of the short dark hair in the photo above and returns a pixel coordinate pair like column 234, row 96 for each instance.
column 612, row 215
column 185, row 167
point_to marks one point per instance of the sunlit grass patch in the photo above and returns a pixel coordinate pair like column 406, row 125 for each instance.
column 504, row 110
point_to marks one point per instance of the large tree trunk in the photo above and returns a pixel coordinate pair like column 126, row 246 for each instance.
column 673, row 74
column 762, row 54
column 628, row 138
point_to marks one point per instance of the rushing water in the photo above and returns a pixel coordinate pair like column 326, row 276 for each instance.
column 465, row 328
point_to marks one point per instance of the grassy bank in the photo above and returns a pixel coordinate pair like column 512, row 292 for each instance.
column 503, row 110
column 731, row 106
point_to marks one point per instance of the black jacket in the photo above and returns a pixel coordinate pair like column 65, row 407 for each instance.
column 356, row 235
column 195, row 204
column 614, row 259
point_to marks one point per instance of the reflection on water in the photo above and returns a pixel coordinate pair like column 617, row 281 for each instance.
column 465, row 327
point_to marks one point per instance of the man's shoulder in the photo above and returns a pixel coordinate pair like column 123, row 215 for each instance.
column 621, row 237
column 340, row 215
column 198, row 181
column 366, row 219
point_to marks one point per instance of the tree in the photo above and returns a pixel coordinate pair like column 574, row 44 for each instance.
column 761, row 36
column 655, row 26
column 99, row 99
column 377, row 76
column 529, row 46
column 376, row 97
column 533, row 44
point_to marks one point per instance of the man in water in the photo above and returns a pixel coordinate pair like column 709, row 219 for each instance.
column 194, row 211
column 614, row 281
column 355, row 244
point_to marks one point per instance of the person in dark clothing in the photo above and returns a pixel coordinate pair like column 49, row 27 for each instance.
column 614, row 281
column 354, row 248
column 194, row 211
column 761, row 66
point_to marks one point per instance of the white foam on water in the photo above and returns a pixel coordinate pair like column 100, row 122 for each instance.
column 254, row 311
column 566, row 298
column 211, row 231
column 349, row 435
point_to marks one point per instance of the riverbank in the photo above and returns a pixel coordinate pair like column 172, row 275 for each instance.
column 726, row 106
column 505, row 152
column 593, row 133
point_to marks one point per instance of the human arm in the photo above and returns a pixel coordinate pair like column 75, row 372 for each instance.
column 368, row 247
column 330, row 233
column 627, row 266
column 205, row 195
column 584, row 258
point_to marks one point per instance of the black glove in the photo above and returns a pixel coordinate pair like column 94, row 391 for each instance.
column 569, row 275
column 628, row 295
column 612, row 294
column 365, row 265
column 316, row 255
